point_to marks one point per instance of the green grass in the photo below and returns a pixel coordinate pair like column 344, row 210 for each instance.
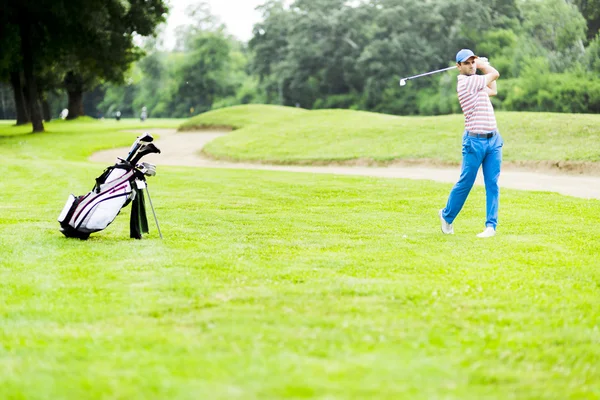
column 72, row 140
column 340, row 135
column 274, row 285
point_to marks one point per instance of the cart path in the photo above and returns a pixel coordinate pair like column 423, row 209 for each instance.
column 183, row 149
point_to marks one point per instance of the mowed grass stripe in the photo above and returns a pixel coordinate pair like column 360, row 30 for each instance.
column 279, row 285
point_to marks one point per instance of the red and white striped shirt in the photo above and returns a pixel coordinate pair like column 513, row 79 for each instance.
column 476, row 104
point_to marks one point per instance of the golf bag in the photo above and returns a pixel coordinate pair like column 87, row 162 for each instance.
column 119, row 185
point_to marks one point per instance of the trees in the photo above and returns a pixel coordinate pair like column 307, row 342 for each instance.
column 320, row 48
column 307, row 52
column 208, row 69
column 24, row 36
column 269, row 46
column 555, row 25
column 10, row 70
column 327, row 53
column 84, row 40
column 204, row 75
column 590, row 9
column 104, row 48
column 312, row 53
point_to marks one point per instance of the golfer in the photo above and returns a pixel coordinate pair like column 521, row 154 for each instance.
column 481, row 143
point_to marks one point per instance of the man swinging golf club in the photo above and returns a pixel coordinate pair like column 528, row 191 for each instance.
column 481, row 143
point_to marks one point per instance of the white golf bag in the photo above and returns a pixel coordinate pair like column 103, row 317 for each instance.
column 119, row 185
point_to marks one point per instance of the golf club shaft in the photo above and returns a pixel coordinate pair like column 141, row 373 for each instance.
column 132, row 150
column 154, row 213
column 429, row 73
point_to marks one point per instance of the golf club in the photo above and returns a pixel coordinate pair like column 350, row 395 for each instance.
column 143, row 150
column 146, row 168
column 146, row 137
column 403, row 80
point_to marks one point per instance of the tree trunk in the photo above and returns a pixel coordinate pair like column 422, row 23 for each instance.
column 45, row 107
column 20, row 103
column 75, row 104
column 30, row 84
column 74, row 85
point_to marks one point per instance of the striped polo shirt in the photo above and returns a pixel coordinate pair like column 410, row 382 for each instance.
column 476, row 104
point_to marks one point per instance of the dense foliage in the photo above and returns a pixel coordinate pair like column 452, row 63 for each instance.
column 69, row 45
column 319, row 54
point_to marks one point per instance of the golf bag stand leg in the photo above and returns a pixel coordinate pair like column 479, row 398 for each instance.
column 154, row 213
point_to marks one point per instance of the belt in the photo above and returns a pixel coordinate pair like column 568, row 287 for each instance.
column 481, row 135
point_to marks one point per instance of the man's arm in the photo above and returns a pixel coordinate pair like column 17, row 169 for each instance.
column 491, row 74
column 491, row 89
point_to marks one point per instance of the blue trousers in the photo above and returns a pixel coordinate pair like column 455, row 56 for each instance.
column 477, row 152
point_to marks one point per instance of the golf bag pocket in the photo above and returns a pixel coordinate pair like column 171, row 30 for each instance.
column 66, row 216
column 67, row 209
column 103, row 212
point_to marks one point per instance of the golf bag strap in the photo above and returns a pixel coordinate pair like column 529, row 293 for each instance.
column 102, row 178
column 138, row 223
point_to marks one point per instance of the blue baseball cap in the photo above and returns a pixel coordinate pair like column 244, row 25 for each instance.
column 464, row 55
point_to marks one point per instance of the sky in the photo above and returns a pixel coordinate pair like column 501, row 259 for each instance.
column 238, row 15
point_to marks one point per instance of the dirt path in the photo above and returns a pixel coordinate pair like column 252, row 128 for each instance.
column 182, row 149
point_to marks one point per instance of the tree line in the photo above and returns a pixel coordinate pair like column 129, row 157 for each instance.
column 311, row 53
column 69, row 45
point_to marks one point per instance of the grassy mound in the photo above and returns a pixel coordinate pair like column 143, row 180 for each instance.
column 341, row 135
column 241, row 116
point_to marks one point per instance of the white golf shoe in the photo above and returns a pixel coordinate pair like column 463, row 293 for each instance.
column 447, row 228
column 488, row 232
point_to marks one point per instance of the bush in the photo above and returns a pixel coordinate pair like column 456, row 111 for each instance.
column 398, row 102
column 567, row 93
column 350, row 101
column 592, row 55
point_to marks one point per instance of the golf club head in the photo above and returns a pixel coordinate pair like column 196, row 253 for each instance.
column 145, row 149
column 147, row 168
column 148, row 148
column 146, row 138
column 402, row 82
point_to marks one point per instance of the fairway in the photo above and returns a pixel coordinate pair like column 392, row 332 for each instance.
column 274, row 285
column 187, row 149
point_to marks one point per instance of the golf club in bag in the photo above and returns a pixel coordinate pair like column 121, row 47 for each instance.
column 119, row 185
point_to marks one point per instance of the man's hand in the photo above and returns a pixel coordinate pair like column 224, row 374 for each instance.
column 481, row 62
column 491, row 74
